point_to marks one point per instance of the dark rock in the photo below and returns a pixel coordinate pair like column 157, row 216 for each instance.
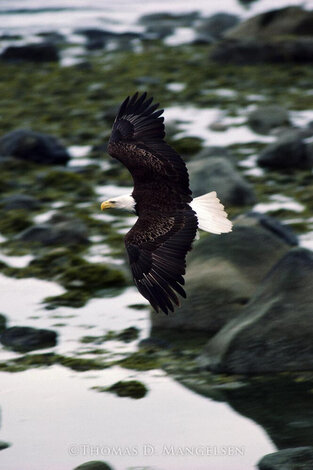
column 215, row 26
column 53, row 37
column 44, row 52
column 298, row 458
column 94, row 465
column 10, row 37
column 65, row 233
column 19, row 201
column 24, row 338
column 252, row 52
column 219, row 174
column 223, row 273
column 272, row 224
column 129, row 334
column 128, row 388
column 289, row 151
column 274, row 331
column 33, row 146
column 95, row 33
column 3, row 322
column 169, row 19
column 263, row 119
column 158, row 31
column 273, row 23
column 4, row 445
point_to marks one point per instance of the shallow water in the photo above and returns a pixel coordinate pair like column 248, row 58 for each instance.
column 54, row 420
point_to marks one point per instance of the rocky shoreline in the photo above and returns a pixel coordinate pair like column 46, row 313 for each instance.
column 248, row 311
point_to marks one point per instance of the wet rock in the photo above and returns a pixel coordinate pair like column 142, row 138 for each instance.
column 44, row 52
column 52, row 37
column 129, row 334
column 214, row 27
column 147, row 80
column 4, row 445
column 289, row 151
column 219, row 174
column 3, row 322
column 65, row 233
column 33, row 146
column 223, row 273
column 94, row 465
column 265, row 118
column 169, row 19
column 19, row 201
column 272, row 224
column 24, row 338
column 274, row 331
column 158, row 31
column 253, row 52
column 213, row 151
column 279, row 22
column 300, row 458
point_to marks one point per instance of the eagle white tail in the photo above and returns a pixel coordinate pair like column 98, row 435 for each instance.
column 211, row 215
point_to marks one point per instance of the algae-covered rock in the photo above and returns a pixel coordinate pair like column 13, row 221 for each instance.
column 94, row 465
column 298, row 458
column 218, row 174
column 274, row 331
column 33, row 146
column 127, row 388
column 24, row 338
column 44, row 52
column 222, row 275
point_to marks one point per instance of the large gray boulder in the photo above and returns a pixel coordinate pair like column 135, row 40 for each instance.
column 255, row 51
column 274, row 331
column 65, row 233
column 279, row 22
column 222, row 275
column 289, row 151
column 215, row 26
column 265, row 118
column 298, row 458
column 33, row 146
column 219, row 174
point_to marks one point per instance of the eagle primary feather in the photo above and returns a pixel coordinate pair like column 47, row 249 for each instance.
column 159, row 241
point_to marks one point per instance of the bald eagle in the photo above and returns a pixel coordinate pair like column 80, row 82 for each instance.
column 168, row 216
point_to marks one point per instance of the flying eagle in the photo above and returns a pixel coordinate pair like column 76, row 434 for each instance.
column 168, row 216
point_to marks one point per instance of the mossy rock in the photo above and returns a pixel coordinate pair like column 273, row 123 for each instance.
column 128, row 388
column 14, row 221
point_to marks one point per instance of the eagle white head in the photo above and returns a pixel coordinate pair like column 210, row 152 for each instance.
column 121, row 202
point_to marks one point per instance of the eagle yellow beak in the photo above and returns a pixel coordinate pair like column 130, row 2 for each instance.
column 106, row 205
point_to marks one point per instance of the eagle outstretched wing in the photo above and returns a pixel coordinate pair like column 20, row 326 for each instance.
column 159, row 241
